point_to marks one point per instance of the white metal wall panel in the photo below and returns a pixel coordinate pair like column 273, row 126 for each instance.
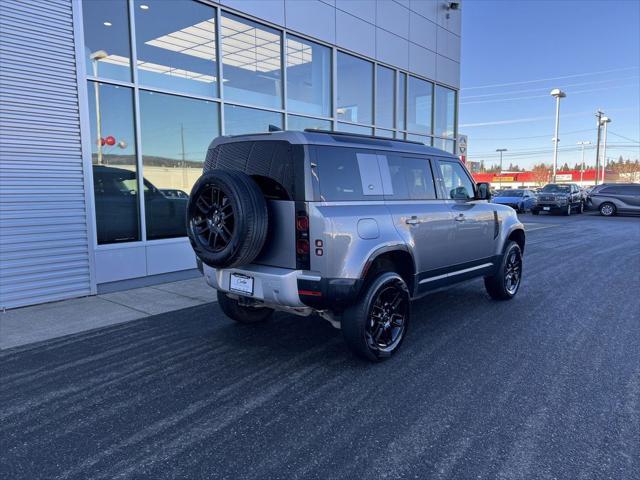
column 44, row 243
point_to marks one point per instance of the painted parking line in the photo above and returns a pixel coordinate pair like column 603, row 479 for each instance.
column 531, row 227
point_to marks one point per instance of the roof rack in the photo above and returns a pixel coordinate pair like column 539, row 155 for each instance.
column 361, row 135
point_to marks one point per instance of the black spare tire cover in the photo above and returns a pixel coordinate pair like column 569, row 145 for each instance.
column 227, row 219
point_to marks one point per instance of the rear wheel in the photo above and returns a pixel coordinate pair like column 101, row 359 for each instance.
column 376, row 325
column 607, row 209
column 241, row 314
column 506, row 282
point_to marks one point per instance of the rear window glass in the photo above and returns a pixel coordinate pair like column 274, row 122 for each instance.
column 511, row 193
column 411, row 178
column 347, row 174
column 277, row 166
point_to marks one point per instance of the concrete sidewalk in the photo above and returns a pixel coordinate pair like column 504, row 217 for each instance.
column 50, row 320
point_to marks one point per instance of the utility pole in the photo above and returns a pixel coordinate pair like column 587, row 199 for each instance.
column 185, row 178
column 599, row 114
column 582, row 144
column 558, row 94
column 606, row 121
column 500, row 150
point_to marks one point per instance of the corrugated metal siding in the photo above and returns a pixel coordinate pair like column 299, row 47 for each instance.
column 44, row 253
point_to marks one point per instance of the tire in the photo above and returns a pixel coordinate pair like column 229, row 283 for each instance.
column 376, row 325
column 241, row 314
column 503, row 285
column 227, row 219
column 535, row 212
column 581, row 209
column 567, row 212
column 607, row 209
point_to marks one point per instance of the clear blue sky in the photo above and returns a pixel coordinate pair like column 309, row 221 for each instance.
column 594, row 44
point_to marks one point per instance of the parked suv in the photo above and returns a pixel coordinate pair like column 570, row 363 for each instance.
column 613, row 198
column 346, row 226
column 559, row 197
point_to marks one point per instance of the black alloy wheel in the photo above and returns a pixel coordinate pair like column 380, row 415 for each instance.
column 375, row 326
column 215, row 222
column 513, row 271
column 387, row 319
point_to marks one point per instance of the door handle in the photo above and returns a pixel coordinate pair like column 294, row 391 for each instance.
column 412, row 221
column 460, row 218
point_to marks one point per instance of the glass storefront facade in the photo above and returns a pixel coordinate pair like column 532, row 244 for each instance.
column 165, row 78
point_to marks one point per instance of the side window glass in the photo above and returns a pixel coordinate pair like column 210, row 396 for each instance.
column 411, row 178
column 346, row 174
column 455, row 181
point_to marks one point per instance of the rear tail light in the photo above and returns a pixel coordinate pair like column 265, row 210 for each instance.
column 302, row 223
column 303, row 247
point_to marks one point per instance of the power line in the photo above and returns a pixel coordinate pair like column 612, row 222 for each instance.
column 550, row 78
column 501, row 139
column 544, row 89
column 622, row 136
column 529, row 97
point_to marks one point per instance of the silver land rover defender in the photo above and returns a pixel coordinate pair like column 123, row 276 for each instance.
column 350, row 227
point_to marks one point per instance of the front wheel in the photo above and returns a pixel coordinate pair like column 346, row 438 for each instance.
column 535, row 212
column 505, row 283
column 567, row 212
column 376, row 325
column 241, row 314
column 581, row 209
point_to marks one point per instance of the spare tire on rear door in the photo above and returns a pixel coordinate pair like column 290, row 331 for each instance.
column 227, row 219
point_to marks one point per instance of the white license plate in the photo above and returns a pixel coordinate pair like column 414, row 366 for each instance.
column 241, row 283
column 546, row 208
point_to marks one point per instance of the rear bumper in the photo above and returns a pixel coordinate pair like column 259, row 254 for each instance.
column 290, row 289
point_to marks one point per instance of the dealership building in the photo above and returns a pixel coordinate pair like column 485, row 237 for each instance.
column 107, row 108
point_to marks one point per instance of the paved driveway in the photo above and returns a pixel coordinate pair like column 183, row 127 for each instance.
column 545, row 386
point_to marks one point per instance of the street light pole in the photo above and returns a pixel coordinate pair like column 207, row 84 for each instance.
column 95, row 57
column 500, row 150
column 606, row 121
column 558, row 94
column 599, row 124
column 582, row 144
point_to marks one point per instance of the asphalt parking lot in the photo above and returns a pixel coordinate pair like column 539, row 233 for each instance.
column 545, row 386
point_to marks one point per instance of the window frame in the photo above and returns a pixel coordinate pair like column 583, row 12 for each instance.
column 441, row 186
column 430, row 169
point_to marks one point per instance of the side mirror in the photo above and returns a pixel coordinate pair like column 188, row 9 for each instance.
column 483, row 191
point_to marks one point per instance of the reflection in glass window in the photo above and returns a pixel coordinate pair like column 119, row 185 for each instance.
column 402, row 94
column 175, row 133
column 355, row 89
column 347, row 127
column 296, row 122
column 385, row 96
column 411, row 178
column 113, row 156
column 444, row 144
column 176, row 46
column 239, row 120
column 346, row 174
column 419, row 96
column 419, row 138
column 455, row 181
column 308, row 77
column 251, row 62
column 445, row 108
column 384, row 133
column 106, row 39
